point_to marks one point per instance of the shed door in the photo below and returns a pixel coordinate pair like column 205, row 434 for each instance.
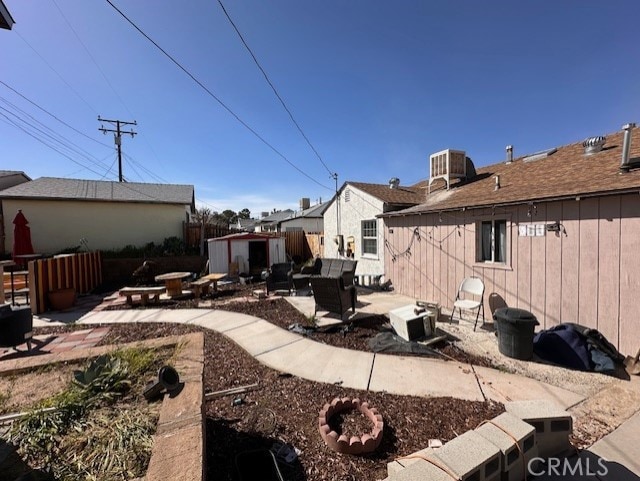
column 277, row 252
column 240, row 254
column 218, row 257
column 257, row 256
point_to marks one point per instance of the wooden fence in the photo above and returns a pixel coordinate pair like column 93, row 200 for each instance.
column 302, row 244
column 83, row 272
column 192, row 233
column 297, row 243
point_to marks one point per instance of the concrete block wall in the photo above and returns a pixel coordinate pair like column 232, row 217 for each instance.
column 552, row 424
column 471, row 458
column 489, row 453
column 516, row 441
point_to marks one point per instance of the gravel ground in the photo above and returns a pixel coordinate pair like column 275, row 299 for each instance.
column 483, row 343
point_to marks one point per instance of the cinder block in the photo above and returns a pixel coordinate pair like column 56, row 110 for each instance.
column 399, row 464
column 504, row 431
column 420, row 469
column 471, row 457
column 552, row 424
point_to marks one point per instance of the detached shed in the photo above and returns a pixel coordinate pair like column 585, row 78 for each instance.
column 253, row 252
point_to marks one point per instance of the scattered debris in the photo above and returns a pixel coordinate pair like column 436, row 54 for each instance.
column 232, row 391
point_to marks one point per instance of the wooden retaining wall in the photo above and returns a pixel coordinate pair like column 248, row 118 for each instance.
column 81, row 271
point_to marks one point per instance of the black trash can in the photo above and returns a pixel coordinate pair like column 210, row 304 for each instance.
column 515, row 332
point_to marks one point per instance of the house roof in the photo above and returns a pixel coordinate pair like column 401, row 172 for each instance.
column 402, row 195
column 9, row 173
column 50, row 188
column 312, row 212
column 276, row 216
column 246, row 223
column 6, row 20
column 565, row 173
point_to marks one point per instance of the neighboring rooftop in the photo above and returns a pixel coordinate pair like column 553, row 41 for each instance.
column 50, row 188
column 400, row 195
column 276, row 217
column 564, row 173
column 315, row 211
column 9, row 173
column 6, row 20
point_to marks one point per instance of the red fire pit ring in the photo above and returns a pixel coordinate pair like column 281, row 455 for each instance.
column 365, row 443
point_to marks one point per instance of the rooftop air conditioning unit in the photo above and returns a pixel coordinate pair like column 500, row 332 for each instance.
column 447, row 164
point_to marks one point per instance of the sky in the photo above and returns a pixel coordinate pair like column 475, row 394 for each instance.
column 376, row 87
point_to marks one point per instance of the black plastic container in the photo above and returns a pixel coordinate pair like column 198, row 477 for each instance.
column 258, row 465
column 515, row 332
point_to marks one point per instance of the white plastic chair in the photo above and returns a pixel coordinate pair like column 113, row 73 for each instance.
column 473, row 286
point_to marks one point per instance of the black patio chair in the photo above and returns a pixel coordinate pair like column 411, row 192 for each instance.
column 332, row 295
column 16, row 326
column 280, row 277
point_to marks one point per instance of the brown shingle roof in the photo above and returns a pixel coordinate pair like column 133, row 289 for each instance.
column 399, row 196
column 565, row 173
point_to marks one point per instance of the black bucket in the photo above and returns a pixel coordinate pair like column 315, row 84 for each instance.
column 515, row 332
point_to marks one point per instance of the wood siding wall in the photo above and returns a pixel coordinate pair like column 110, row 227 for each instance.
column 588, row 273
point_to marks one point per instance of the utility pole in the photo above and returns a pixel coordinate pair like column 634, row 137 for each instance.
column 117, row 136
column 334, row 176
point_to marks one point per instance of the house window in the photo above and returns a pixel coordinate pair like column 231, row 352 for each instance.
column 492, row 241
column 347, row 195
column 370, row 237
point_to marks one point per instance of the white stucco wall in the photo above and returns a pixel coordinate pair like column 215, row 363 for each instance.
column 314, row 224
column 56, row 225
column 361, row 206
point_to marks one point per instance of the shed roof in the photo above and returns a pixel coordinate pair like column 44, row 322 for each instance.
column 51, row 188
column 245, row 236
column 566, row 173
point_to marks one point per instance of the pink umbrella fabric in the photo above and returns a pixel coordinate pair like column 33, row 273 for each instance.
column 21, row 236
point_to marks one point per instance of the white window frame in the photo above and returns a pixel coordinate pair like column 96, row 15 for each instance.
column 480, row 245
column 364, row 237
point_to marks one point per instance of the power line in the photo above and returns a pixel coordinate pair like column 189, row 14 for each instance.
column 266, row 77
column 52, row 115
column 53, row 135
column 55, row 71
column 60, row 140
column 48, row 145
column 217, row 99
column 104, row 75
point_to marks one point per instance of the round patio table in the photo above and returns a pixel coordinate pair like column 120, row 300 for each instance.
column 173, row 281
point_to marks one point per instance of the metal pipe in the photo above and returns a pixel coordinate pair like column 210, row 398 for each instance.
column 509, row 149
column 626, row 146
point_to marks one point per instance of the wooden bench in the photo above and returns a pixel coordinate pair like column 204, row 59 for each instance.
column 143, row 292
column 200, row 287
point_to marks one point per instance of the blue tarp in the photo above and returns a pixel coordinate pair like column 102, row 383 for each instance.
column 576, row 347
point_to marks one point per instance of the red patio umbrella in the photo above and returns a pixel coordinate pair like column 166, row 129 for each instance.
column 21, row 236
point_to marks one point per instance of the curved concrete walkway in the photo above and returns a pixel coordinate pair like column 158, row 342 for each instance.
column 295, row 354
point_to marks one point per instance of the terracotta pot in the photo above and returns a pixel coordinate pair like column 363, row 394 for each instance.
column 62, row 298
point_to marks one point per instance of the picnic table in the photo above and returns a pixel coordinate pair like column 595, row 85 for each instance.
column 173, row 282
column 214, row 278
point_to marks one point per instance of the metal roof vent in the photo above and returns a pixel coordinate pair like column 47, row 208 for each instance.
column 593, row 145
column 509, row 149
column 394, row 182
column 540, row 155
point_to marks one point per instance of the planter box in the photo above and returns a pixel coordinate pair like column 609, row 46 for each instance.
column 61, row 299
